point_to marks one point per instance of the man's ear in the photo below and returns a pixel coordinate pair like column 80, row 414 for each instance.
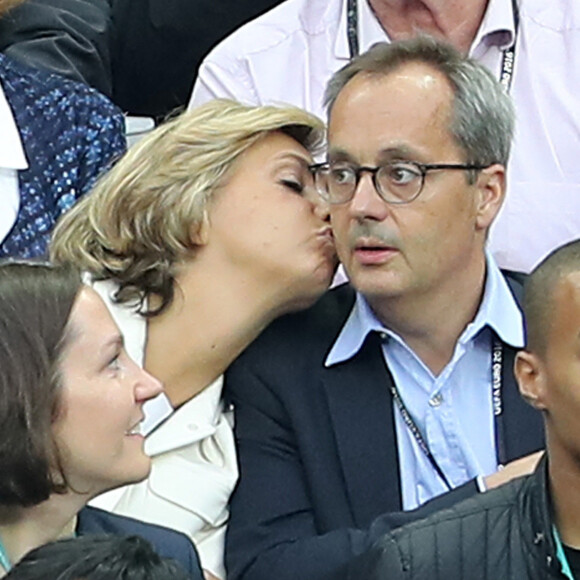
column 529, row 373
column 491, row 192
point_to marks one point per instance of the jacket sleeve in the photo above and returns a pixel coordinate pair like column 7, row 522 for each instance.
column 272, row 531
column 383, row 561
column 68, row 37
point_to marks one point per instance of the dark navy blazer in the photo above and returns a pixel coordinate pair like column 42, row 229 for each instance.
column 167, row 543
column 319, row 472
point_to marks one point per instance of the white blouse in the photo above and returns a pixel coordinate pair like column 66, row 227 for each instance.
column 194, row 467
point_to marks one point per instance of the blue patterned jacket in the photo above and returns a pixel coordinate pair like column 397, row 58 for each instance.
column 70, row 134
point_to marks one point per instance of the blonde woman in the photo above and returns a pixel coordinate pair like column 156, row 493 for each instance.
column 200, row 236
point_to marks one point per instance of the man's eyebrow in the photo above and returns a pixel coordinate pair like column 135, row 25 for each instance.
column 402, row 151
column 396, row 152
column 339, row 155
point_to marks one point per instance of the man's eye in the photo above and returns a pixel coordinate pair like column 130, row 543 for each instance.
column 295, row 186
column 401, row 174
column 341, row 175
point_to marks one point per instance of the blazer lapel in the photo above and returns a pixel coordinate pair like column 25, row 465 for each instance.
column 360, row 404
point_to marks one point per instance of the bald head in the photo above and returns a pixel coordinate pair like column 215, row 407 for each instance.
column 539, row 303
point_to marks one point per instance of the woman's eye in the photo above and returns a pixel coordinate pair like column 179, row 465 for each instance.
column 295, row 186
column 115, row 362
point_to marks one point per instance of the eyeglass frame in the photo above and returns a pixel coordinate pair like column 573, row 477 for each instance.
column 423, row 168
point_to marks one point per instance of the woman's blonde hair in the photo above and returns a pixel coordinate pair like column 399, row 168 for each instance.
column 7, row 5
column 142, row 216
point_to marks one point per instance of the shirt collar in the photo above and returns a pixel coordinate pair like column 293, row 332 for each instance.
column 195, row 420
column 11, row 150
column 498, row 310
column 498, row 25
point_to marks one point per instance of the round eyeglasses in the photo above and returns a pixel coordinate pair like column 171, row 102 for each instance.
column 396, row 181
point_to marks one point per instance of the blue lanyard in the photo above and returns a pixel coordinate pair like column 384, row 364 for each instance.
column 566, row 570
column 4, row 560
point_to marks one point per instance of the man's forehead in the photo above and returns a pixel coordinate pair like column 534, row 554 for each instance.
column 410, row 108
column 409, row 77
column 412, row 90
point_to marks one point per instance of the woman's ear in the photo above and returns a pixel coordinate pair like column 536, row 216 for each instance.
column 530, row 375
column 491, row 193
column 199, row 233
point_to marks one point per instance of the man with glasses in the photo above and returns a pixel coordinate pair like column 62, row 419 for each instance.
column 381, row 399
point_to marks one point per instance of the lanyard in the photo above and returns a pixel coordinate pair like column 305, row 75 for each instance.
column 508, row 56
column 4, row 560
column 497, row 404
column 560, row 554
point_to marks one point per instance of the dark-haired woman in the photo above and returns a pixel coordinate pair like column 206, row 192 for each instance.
column 70, row 406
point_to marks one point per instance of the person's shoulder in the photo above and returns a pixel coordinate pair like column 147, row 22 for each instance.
column 558, row 16
column 318, row 324
column 167, row 542
column 474, row 510
column 297, row 343
column 92, row 519
column 443, row 539
column 277, row 26
column 45, row 89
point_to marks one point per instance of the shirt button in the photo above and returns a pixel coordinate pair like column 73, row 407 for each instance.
column 436, row 400
column 383, row 335
column 192, row 427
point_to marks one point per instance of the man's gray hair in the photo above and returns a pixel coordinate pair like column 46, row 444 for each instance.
column 483, row 116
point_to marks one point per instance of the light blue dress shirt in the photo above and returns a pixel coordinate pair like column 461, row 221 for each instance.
column 453, row 410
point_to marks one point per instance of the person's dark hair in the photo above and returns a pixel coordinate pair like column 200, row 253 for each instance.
column 96, row 557
column 539, row 292
column 482, row 114
column 35, row 305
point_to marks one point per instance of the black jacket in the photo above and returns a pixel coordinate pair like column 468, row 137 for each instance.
column 502, row 534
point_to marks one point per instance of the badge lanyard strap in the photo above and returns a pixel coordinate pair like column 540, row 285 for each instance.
column 4, row 560
column 497, row 404
column 561, row 555
column 507, row 61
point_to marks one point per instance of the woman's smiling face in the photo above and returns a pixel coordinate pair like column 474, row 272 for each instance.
column 100, row 408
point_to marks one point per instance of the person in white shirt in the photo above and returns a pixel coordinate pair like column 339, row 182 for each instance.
column 201, row 235
column 288, row 55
